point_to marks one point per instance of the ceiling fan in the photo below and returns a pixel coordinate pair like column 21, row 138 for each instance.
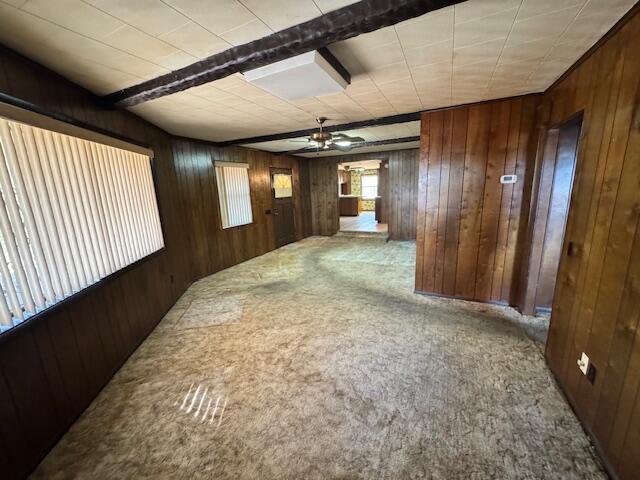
column 323, row 140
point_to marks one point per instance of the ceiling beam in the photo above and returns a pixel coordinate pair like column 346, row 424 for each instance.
column 374, row 122
column 341, row 24
column 375, row 143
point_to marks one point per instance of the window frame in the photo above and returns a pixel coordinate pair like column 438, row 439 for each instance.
column 17, row 110
column 222, row 164
column 362, row 187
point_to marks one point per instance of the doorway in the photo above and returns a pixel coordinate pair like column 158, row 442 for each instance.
column 552, row 207
column 362, row 191
column 282, row 203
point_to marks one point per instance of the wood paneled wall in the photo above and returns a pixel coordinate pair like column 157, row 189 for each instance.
column 597, row 301
column 53, row 366
column 211, row 247
column 469, row 226
column 400, row 203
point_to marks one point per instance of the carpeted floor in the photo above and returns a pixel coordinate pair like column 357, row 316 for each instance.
column 317, row 361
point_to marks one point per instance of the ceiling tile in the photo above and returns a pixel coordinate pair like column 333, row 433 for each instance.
column 479, row 52
column 484, row 29
column 380, row 57
column 138, row 43
column 435, row 71
column 368, row 41
column 532, row 8
column 425, row 30
column 246, row 33
column 550, row 25
column 475, row 9
column 194, row 39
column 24, row 32
column 390, row 73
column 151, row 16
column 217, row 17
column 281, row 14
column 525, row 51
column 74, row 15
column 176, row 60
column 429, row 54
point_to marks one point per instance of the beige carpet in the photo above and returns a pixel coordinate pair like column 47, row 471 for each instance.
column 317, row 361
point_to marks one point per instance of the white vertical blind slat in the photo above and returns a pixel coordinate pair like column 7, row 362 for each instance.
column 13, row 231
column 61, row 211
column 9, row 291
column 28, row 215
column 71, row 212
column 83, row 211
column 115, row 229
column 46, row 233
column 74, row 229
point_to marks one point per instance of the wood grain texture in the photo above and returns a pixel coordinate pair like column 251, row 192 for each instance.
column 70, row 352
column 468, row 223
column 400, row 205
column 597, row 301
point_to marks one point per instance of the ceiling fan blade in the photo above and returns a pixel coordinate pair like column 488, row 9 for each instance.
column 299, row 141
column 300, row 150
column 343, row 148
column 354, row 139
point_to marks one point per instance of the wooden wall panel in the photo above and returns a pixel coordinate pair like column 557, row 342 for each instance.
column 212, row 247
column 72, row 350
column 597, row 301
column 468, row 223
column 401, row 203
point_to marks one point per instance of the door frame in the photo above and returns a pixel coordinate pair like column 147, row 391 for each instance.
column 536, row 227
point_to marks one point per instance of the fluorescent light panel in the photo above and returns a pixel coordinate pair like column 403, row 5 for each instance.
column 302, row 76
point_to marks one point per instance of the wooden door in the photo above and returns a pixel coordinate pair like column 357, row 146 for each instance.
column 282, row 201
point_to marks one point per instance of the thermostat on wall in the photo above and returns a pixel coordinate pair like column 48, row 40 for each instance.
column 508, row 178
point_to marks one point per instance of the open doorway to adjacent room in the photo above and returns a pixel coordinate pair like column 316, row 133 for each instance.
column 362, row 190
column 552, row 197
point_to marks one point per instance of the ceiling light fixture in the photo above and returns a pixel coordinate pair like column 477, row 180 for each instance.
column 311, row 74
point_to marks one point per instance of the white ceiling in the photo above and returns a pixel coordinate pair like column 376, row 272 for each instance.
column 477, row 50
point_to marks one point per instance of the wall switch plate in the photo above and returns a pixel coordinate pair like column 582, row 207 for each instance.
column 583, row 363
column 508, row 179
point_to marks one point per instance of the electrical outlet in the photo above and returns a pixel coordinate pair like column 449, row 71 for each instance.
column 583, row 363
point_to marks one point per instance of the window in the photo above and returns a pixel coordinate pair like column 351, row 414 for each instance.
column 234, row 194
column 282, row 185
column 72, row 211
column 369, row 186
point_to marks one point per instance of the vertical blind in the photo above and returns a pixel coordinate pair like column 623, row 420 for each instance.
column 72, row 211
column 234, row 193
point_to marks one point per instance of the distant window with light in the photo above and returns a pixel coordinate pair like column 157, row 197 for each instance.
column 234, row 194
column 369, row 186
column 282, row 186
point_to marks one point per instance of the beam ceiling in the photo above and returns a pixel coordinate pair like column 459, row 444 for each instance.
column 337, row 25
